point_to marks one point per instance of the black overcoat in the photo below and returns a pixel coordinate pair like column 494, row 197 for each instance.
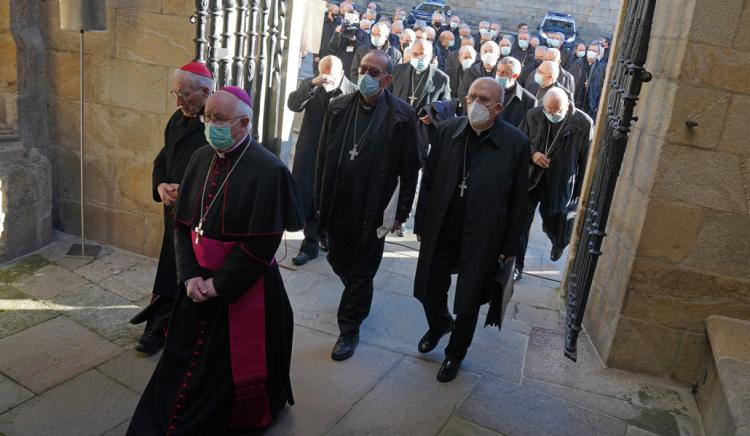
column 495, row 213
column 314, row 101
column 182, row 136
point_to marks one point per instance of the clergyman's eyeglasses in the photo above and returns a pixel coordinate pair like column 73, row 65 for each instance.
column 371, row 71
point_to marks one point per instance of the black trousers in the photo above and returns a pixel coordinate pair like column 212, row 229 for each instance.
column 445, row 262
column 537, row 197
column 355, row 262
column 312, row 235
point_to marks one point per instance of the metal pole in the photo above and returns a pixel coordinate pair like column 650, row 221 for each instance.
column 83, row 226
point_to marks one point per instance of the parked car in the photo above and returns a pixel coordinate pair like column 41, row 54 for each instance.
column 559, row 22
column 424, row 11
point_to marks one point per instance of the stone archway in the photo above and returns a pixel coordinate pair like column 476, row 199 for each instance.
column 25, row 179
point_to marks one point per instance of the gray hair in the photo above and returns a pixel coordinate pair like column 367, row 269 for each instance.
column 467, row 48
column 558, row 95
column 384, row 29
column 426, row 45
column 196, row 80
column 243, row 110
column 513, row 62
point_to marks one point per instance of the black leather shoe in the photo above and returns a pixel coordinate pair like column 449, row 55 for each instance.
column 431, row 339
column 345, row 347
column 323, row 245
column 302, row 258
column 150, row 342
column 555, row 254
column 448, row 371
column 518, row 274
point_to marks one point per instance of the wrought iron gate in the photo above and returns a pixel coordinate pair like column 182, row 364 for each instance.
column 627, row 78
column 242, row 42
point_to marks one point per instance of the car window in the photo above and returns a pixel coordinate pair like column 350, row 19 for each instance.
column 558, row 25
column 428, row 7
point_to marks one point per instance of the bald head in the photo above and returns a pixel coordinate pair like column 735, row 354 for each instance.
column 446, row 36
column 379, row 60
column 552, row 54
column 486, row 92
column 330, row 65
column 556, row 102
column 550, row 72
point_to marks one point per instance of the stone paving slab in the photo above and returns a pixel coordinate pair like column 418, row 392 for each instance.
column 134, row 283
column 89, row 404
column 108, row 265
column 545, row 362
column 12, row 394
column 460, row 427
column 513, row 410
column 100, row 311
column 132, row 369
column 408, row 401
column 325, row 390
column 49, row 282
column 119, row 430
column 17, row 269
column 61, row 349
column 18, row 312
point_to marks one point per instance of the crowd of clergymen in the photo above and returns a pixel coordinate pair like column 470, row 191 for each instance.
column 480, row 131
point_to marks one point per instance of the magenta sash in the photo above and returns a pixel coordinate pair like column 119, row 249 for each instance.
column 247, row 340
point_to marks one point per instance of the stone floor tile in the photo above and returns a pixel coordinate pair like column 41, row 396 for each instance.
column 49, row 282
column 325, row 390
column 497, row 353
column 17, row 269
column 635, row 431
column 315, row 306
column 408, row 401
column 89, row 404
column 536, row 316
column 57, row 251
column 536, row 296
column 545, row 362
column 460, row 427
column 131, row 368
column 515, row 410
column 61, row 349
column 119, row 430
column 12, row 394
column 299, row 279
column 398, row 283
column 133, row 283
column 658, row 421
column 19, row 312
column 108, row 265
column 101, row 311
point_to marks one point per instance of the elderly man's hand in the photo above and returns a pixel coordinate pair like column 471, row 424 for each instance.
column 168, row 193
column 210, row 291
column 426, row 119
column 338, row 29
column 540, row 159
column 196, row 289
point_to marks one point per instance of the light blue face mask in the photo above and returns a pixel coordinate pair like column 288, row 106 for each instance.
column 368, row 85
column 505, row 50
column 556, row 118
column 219, row 137
column 419, row 64
column 523, row 44
column 376, row 41
column 451, row 43
column 503, row 81
column 553, row 43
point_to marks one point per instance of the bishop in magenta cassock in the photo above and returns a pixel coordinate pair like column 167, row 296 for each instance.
column 225, row 365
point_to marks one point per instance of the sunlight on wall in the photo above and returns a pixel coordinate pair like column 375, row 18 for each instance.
column 2, row 215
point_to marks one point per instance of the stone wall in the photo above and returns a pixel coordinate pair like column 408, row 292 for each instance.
column 677, row 248
column 594, row 18
column 8, row 108
column 127, row 104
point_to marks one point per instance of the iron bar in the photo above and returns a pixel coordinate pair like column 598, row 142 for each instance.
column 201, row 17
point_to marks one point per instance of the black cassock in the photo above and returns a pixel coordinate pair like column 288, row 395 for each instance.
column 518, row 102
column 494, row 207
column 226, row 361
column 182, row 136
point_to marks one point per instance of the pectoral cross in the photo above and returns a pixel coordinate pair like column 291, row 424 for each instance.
column 198, row 232
column 412, row 99
column 353, row 152
column 462, row 186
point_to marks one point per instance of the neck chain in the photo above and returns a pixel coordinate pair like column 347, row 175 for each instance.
column 354, row 152
column 204, row 213
column 464, row 175
column 412, row 97
column 547, row 146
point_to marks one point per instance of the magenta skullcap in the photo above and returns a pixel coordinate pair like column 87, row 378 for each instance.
column 239, row 93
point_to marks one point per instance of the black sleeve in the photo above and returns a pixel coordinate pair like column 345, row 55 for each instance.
column 160, row 175
column 245, row 265
column 187, row 265
column 354, row 70
column 583, row 156
column 425, row 187
column 301, row 96
column 321, row 159
column 335, row 43
column 517, row 205
column 409, row 167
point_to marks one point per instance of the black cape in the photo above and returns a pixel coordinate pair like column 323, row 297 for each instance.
column 192, row 390
column 182, row 136
column 495, row 213
column 516, row 106
column 314, row 101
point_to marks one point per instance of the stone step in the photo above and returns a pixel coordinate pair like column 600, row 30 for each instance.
column 724, row 388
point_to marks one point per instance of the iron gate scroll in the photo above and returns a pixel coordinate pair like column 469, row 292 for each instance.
column 628, row 77
column 242, row 42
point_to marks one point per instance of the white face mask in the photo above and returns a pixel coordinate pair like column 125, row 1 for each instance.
column 591, row 55
column 467, row 63
column 478, row 114
column 489, row 59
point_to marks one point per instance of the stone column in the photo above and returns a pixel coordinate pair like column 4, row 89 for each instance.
column 25, row 182
column 678, row 244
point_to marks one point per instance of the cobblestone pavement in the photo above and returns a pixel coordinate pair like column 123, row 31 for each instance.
column 67, row 365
